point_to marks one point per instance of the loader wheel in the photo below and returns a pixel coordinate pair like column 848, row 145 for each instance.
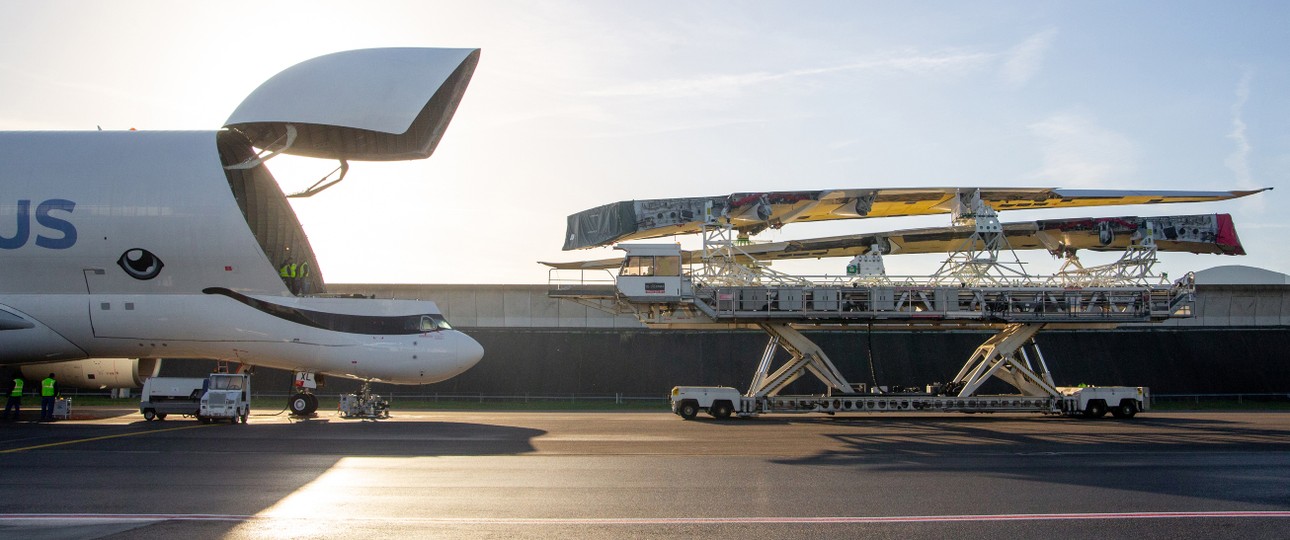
column 1095, row 409
column 1126, row 410
column 149, row 415
column 720, row 410
column 688, row 410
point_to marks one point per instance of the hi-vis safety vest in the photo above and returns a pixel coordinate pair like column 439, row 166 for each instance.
column 288, row 270
column 17, row 388
column 47, row 388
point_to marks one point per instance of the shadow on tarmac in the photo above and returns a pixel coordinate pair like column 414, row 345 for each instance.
column 182, row 467
column 1122, row 454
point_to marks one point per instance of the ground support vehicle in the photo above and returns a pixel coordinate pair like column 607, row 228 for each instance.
column 228, row 396
column 1089, row 402
column 63, row 408
column 364, row 405
column 219, row 396
column 164, row 396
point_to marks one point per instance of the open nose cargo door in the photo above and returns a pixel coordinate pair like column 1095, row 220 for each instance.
column 365, row 105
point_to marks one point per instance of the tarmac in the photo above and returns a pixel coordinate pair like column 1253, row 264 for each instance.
column 107, row 473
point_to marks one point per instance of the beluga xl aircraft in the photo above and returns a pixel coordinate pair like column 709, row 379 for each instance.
column 119, row 248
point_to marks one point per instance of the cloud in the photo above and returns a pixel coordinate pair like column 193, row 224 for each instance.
column 838, row 145
column 658, row 128
column 950, row 62
column 1077, row 152
column 1024, row 60
column 1019, row 65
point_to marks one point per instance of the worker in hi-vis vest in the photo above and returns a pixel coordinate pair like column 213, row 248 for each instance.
column 48, row 392
column 289, row 273
column 15, row 399
column 302, row 279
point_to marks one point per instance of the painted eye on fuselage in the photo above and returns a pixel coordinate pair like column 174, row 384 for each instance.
column 140, row 264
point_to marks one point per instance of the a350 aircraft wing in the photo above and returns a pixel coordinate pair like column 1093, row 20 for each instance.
column 754, row 212
column 1204, row 233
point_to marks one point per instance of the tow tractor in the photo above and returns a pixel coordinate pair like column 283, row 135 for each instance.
column 364, row 405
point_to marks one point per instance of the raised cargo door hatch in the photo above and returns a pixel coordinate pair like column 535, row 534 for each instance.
column 367, row 105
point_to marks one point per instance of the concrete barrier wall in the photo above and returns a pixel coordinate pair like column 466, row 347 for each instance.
column 1238, row 343
column 1250, row 360
column 650, row 362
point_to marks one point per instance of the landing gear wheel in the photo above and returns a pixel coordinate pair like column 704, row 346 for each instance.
column 302, row 404
column 1096, row 409
column 149, row 415
column 688, row 410
column 720, row 411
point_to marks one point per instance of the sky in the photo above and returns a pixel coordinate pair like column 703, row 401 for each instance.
column 575, row 104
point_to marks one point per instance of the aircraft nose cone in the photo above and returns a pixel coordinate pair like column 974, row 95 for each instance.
column 469, row 352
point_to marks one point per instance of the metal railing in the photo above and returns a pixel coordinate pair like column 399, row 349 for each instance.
column 1238, row 399
column 883, row 302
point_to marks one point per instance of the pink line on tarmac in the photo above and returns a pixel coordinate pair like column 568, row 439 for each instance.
column 788, row 520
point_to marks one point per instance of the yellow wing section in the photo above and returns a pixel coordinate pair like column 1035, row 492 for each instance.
column 1203, row 233
column 754, row 212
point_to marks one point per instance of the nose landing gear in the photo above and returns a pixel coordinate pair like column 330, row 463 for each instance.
column 303, row 403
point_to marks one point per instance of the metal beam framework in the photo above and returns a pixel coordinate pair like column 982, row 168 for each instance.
column 806, row 357
column 1004, row 357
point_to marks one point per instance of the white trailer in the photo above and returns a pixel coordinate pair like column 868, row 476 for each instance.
column 219, row 396
column 163, row 396
column 1089, row 402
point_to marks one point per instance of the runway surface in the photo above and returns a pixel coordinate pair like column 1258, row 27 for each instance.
column 613, row 475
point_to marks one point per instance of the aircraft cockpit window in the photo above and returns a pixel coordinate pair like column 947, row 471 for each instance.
column 430, row 323
column 638, row 265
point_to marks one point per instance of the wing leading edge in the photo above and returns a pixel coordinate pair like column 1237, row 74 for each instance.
column 1203, row 233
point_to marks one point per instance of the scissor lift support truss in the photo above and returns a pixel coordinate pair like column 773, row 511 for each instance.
column 1017, row 313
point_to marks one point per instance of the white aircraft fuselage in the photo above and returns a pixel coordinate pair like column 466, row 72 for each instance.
column 145, row 245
